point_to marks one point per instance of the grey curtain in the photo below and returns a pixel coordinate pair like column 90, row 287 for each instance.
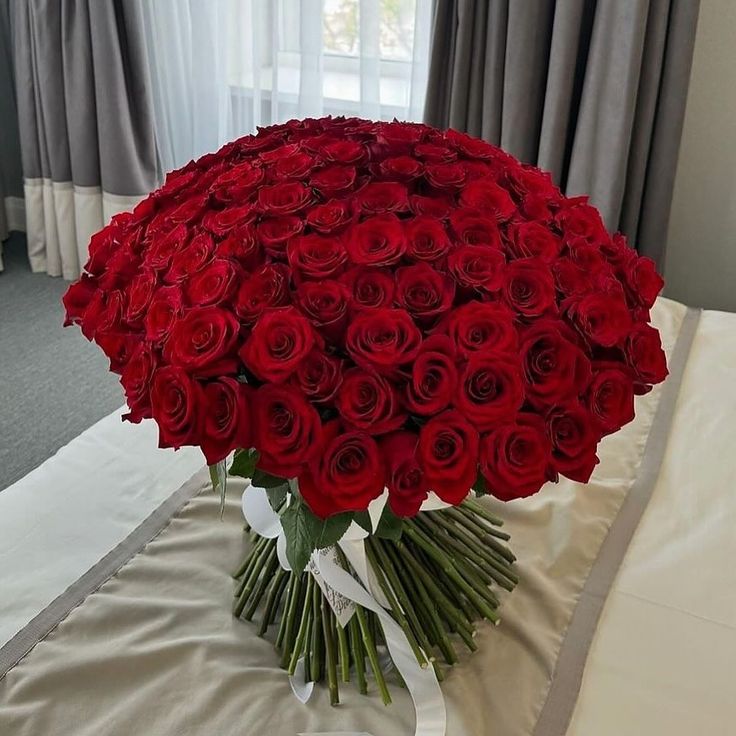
column 86, row 120
column 593, row 91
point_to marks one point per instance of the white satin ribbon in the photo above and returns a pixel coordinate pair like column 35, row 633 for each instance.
column 343, row 591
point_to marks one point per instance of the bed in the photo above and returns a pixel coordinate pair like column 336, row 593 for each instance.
column 115, row 588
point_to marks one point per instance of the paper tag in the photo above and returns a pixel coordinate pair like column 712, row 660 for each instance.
column 343, row 607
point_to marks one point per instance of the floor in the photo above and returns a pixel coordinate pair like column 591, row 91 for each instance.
column 53, row 383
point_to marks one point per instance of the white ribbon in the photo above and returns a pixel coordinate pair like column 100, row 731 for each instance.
column 343, row 591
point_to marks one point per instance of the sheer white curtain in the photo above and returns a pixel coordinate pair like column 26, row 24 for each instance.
column 220, row 68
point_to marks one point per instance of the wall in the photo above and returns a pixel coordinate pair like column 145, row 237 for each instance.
column 700, row 269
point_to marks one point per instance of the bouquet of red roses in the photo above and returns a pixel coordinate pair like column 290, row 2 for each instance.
column 373, row 312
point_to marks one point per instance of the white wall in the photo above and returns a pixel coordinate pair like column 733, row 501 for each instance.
column 700, row 267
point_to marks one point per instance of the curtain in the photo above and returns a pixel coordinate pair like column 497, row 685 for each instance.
column 592, row 91
column 86, row 122
column 221, row 69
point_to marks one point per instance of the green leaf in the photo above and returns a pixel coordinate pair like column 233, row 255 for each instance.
column 265, row 480
column 277, row 495
column 390, row 526
column 480, row 487
column 330, row 530
column 298, row 523
column 244, row 463
column 363, row 520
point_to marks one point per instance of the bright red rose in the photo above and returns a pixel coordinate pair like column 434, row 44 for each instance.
column 485, row 326
column 266, row 288
column 280, row 340
column 329, row 217
column 448, row 455
column 477, row 267
column 319, row 376
column 611, row 396
column 424, row 293
column 138, row 296
column 644, row 354
column 516, row 458
column 407, row 488
column 383, row 340
column 371, row 287
column 215, row 283
column 287, row 430
column 159, row 255
column 284, row 199
column 274, row 233
column 434, row 152
column 242, row 247
column 348, row 476
column 77, row 298
column 197, row 254
column 164, row 309
column 490, row 391
column 135, row 379
column 433, row 382
column 221, row 223
column 316, row 256
column 377, row 241
column 532, row 239
column 579, row 221
column 426, row 239
column 333, row 180
column 176, row 405
column 489, row 197
column 188, row 211
column 227, row 424
column 529, row 288
column 326, row 306
column 369, row 402
column 296, row 166
column 344, row 152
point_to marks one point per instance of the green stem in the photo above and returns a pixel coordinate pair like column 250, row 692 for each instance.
column 356, row 644
column 268, row 572
column 303, row 626
column 331, row 664
column 344, row 650
column 289, row 633
column 317, row 642
column 370, row 648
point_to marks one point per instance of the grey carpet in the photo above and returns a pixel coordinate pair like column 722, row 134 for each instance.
column 53, row 383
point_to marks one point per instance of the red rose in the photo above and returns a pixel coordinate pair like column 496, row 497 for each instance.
column 405, row 481
column 344, row 152
column 472, row 227
column 531, row 239
column 136, row 382
column 377, row 241
column 470, row 146
column 617, row 251
column 329, row 217
column 316, row 256
column 602, row 317
column 159, row 253
column 643, row 281
column 221, row 223
column 203, row 341
column 287, row 430
column 401, row 168
column 274, row 233
column 77, row 298
column 383, row 340
column 434, row 379
column 165, row 307
column 214, row 284
column 197, row 254
column 445, row 176
column 477, row 267
column 515, row 459
column 490, row 391
column 434, row 152
column 570, row 279
column 485, row 326
column 189, row 210
column 371, row 287
column 227, row 419
column 555, row 369
column 266, row 288
column 348, row 476
column 242, row 247
column 274, row 155
column 380, row 197
column 611, row 397
column 579, row 221
column 426, row 239
column 326, row 306
column 176, row 405
column 644, row 354
column 296, row 166
column 119, row 347
column 438, row 207
column 333, row 180
column 448, row 455
column 489, row 197
column 319, row 376
column 237, row 183
column 280, row 340
column 574, row 439
column 529, row 288
column 368, row 401
column 284, row 199
column 424, row 292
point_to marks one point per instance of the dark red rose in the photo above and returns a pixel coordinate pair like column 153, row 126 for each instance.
column 275, row 232
column 602, row 317
column 489, row 197
column 237, row 183
column 528, row 287
column 644, row 354
column 296, row 166
column 326, row 306
column 197, row 254
column 438, row 207
column 333, row 180
column 470, row 146
column 579, row 221
column 424, row 293
column 380, row 197
column 369, row 402
column 221, row 223
column 472, row 227
column 348, row 476
column 426, row 239
column 268, row 287
column 531, row 239
column 227, row 424
column 319, row 376
column 446, row 175
column 119, row 347
column 485, row 326
column 159, row 253
column 280, row 340
column 643, row 281
column 176, row 405
column 77, row 297
column 104, row 313
column 135, row 379
column 203, row 341
column 448, row 455
column 617, row 251
column 407, row 488
column 570, row 279
column 477, row 267
column 284, row 199
column 317, row 256
column 401, row 168
column 167, row 304
column 434, row 152
column 433, row 382
column 490, row 391
column 275, row 155
column 214, row 284
column 377, row 241
column 139, row 295
column 611, row 396
column 189, row 210
column 555, row 369
column 344, row 152
column 574, row 440
column 371, row 287
column 242, row 246
column 330, row 217
column 383, row 340
column 122, row 266
column 399, row 137
column 287, row 431
column 515, row 459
